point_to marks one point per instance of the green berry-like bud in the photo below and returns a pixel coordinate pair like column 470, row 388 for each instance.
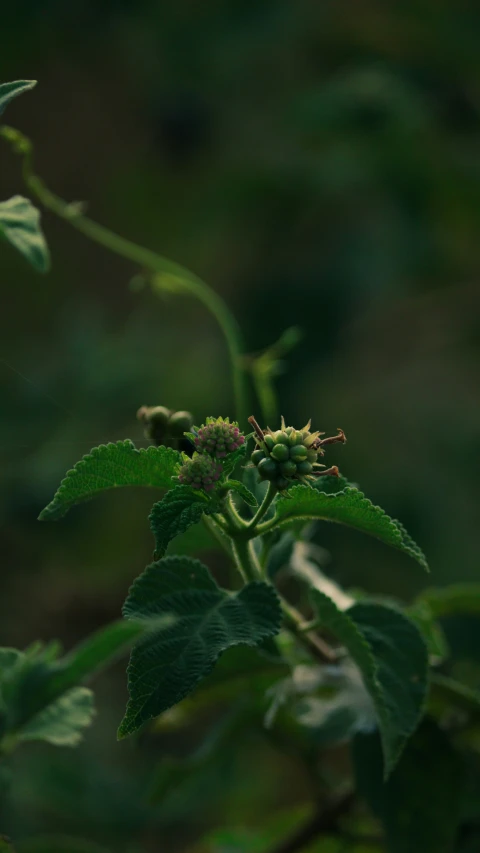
column 312, row 456
column 155, row 419
column 298, row 453
column 304, row 468
column 257, row 456
column 267, row 469
column 269, row 442
column 281, row 437
column 179, row 423
column 200, row 472
column 288, row 468
column 280, row 453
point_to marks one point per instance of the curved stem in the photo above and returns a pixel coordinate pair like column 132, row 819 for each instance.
column 315, row 644
column 145, row 258
column 264, row 506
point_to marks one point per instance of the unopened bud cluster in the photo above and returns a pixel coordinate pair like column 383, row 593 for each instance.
column 290, row 454
column 200, row 472
column 213, row 442
column 217, row 437
column 164, row 426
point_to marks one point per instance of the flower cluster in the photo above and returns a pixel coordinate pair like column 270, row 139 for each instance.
column 217, row 437
column 200, row 472
column 164, row 426
column 289, row 454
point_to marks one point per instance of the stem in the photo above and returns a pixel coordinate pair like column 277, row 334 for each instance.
column 145, row 258
column 264, row 506
column 324, row 822
column 246, row 559
column 315, row 644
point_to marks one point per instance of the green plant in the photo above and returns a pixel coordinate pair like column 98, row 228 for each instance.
column 314, row 667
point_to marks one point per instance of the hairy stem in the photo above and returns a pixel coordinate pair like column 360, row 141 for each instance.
column 264, row 506
column 246, row 559
column 163, row 269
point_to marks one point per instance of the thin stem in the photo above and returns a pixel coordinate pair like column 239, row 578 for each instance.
column 163, row 268
column 246, row 559
column 264, row 506
column 315, row 644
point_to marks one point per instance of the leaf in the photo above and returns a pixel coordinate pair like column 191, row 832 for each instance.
column 419, row 806
column 20, row 226
column 280, row 553
column 392, row 658
column 166, row 666
column 110, row 466
column 243, row 491
column 447, row 694
column 9, row 91
column 461, row 598
column 234, row 459
column 181, row 507
column 349, row 507
column 61, row 723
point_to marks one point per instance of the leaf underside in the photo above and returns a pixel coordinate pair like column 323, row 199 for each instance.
column 9, row 91
column 20, row 226
column 349, row 507
column 180, row 509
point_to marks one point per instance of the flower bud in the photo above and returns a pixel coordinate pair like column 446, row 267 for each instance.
column 200, row 472
column 217, row 437
column 179, row 423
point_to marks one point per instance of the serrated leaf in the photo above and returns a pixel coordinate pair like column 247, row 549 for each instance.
column 62, row 722
column 20, row 226
column 392, row 658
column 9, row 91
column 111, row 466
column 166, row 666
column 419, row 806
column 349, row 507
column 243, row 491
column 233, row 459
column 181, row 508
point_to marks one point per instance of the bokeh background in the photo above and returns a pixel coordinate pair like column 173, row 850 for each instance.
column 318, row 163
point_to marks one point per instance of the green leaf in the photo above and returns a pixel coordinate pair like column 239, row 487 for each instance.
column 62, row 722
column 392, row 658
column 165, row 666
column 243, row 491
column 9, row 91
column 20, row 226
column 419, row 806
column 110, row 466
column 461, row 598
column 233, row 459
column 181, row 507
column 349, row 507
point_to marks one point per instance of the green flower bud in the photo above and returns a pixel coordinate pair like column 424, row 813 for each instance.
column 281, row 437
column 200, row 472
column 267, row 469
column 298, row 453
column 304, row 468
column 257, row 456
column 280, row 453
column 179, row 423
column 288, row 468
column 269, row 441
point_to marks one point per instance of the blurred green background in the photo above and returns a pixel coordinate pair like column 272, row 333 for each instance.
column 318, row 163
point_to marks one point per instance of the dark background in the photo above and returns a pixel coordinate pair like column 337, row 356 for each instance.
column 318, row 163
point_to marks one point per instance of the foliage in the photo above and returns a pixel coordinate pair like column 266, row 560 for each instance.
column 311, row 673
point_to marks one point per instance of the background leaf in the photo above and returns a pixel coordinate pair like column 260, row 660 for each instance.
column 62, row 722
column 20, row 226
column 419, row 806
column 392, row 658
column 110, row 466
column 181, row 508
column 9, row 91
column 349, row 507
column 166, row 666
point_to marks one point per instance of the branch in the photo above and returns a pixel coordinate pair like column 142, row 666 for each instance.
column 322, row 823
